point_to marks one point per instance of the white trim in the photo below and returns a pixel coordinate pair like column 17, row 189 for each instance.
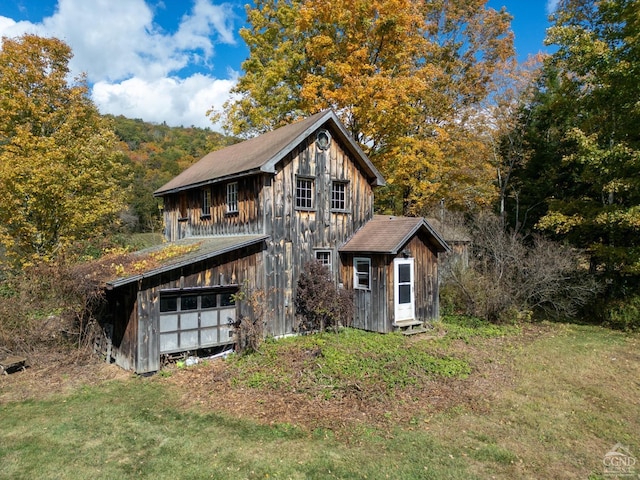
column 356, row 278
column 405, row 311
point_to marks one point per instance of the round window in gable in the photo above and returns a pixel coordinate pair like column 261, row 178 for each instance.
column 323, row 139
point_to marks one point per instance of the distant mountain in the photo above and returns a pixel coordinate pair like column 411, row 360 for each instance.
column 157, row 153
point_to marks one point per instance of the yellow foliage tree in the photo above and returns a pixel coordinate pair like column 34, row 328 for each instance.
column 403, row 75
column 59, row 166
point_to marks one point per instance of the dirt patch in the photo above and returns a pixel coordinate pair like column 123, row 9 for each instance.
column 56, row 372
column 209, row 387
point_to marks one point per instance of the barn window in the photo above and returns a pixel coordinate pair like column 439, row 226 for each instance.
column 232, row 197
column 338, row 195
column 304, row 193
column 362, row 273
column 206, row 202
column 324, row 257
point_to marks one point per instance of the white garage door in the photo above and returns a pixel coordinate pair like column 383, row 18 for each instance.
column 190, row 321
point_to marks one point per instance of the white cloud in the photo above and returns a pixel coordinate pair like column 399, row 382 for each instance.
column 552, row 6
column 172, row 100
column 132, row 63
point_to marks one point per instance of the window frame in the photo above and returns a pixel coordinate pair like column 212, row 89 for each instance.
column 345, row 195
column 231, row 199
column 206, row 203
column 357, row 274
column 310, row 188
column 329, row 254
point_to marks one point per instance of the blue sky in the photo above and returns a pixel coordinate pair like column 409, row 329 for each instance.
column 172, row 60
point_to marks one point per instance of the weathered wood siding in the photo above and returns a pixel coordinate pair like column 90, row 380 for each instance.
column 295, row 233
column 123, row 316
column 370, row 306
column 375, row 308
column 136, row 307
column 183, row 215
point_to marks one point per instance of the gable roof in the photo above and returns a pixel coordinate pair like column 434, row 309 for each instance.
column 262, row 153
column 388, row 234
column 203, row 249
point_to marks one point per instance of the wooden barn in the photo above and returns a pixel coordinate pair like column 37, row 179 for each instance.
column 256, row 213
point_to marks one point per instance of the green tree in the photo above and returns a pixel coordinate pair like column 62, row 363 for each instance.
column 405, row 76
column 583, row 134
column 59, row 164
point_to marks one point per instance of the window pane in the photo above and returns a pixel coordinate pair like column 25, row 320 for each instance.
column 304, row 193
column 208, row 300
column 188, row 302
column 324, row 258
column 168, row 304
column 404, row 294
column 206, row 201
column 226, row 299
column 232, row 197
column 338, row 196
column 362, row 267
column 404, row 273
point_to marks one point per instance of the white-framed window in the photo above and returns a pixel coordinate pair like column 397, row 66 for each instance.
column 304, row 193
column 324, row 257
column 232, row 197
column 206, row 202
column 362, row 273
column 339, row 195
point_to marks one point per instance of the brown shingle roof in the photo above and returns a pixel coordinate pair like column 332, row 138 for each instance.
column 263, row 152
column 206, row 247
column 388, row 234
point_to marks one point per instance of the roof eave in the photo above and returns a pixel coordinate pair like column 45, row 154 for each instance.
column 226, row 178
column 172, row 266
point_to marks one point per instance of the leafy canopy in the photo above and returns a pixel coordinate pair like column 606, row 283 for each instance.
column 403, row 75
column 583, row 131
column 59, row 169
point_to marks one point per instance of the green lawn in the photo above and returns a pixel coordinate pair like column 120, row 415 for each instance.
column 572, row 393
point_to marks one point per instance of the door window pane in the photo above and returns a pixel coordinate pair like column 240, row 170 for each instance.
column 404, row 273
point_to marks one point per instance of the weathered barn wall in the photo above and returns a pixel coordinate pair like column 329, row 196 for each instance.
column 184, row 217
column 136, row 311
column 297, row 233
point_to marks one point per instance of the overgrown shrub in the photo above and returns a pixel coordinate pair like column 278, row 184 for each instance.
column 249, row 329
column 320, row 305
column 509, row 279
column 51, row 305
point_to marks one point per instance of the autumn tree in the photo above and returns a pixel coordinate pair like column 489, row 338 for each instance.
column 405, row 77
column 58, row 162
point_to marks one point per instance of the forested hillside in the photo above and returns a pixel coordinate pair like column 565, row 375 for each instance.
column 157, row 153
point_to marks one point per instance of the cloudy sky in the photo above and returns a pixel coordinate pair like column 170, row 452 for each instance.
column 172, row 60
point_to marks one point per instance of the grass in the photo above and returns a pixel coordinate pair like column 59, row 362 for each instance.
column 331, row 364
column 573, row 393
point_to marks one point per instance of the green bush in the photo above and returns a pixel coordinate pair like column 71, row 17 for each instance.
column 624, row 314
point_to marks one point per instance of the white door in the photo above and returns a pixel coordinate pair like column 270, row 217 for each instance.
column 404, row 296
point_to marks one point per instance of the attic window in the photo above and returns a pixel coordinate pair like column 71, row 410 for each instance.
column 323, row 139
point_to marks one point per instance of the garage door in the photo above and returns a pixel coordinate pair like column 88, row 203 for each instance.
column 190, row 321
